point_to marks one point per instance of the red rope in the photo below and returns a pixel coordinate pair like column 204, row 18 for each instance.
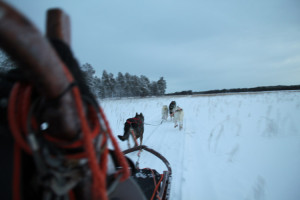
column 17, row 124
column 14, row 119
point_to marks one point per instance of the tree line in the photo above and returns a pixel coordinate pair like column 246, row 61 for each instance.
column 253, row 89
column 123, row 85
column 237, row 90
column 108, row 86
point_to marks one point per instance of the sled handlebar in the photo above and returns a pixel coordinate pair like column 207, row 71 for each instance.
column 162, row 158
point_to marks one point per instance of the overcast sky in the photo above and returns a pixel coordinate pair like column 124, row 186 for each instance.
column 194, row 44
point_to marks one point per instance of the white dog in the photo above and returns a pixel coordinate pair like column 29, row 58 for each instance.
column 164, row 112
column 178, row 117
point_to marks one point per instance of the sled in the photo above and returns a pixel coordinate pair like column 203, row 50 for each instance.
column 153, row 184
column 66, row 166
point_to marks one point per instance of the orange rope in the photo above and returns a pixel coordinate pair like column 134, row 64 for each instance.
column 156, row 185
column 18, row 108
column 156, row 188
column 99, row 172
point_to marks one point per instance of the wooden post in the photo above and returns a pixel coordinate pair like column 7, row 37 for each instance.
column 58, row 26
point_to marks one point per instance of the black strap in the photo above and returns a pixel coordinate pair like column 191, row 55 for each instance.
column 67, row 89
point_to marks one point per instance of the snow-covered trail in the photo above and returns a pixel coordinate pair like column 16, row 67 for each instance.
column 158, row 135
column 242, row 146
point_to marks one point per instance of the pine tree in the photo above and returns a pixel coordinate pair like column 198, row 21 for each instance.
column 128, row 92
column 108, row 84
column 120, row 85
column 144, row 85
column 154, row 88
column 105, row 83
column 161, row 86
column 98, row 87
column 89, row 73
column 134, row 85
column 112, row 85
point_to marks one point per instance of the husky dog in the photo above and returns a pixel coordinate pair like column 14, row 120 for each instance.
column 172, row 107
column 134, row 127
column 178, row 117
column 164, row 112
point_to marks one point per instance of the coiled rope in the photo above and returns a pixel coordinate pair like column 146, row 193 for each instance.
column 18, row 111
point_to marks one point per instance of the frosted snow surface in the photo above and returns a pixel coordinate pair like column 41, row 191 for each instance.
column 232, row 147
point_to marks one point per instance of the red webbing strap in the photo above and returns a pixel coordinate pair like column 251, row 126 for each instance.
column 130, row 122
column 136, row 121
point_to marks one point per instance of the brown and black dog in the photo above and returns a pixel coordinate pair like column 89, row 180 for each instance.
column 134, row 127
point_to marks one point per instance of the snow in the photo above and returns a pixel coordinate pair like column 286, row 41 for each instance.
column 232, row 147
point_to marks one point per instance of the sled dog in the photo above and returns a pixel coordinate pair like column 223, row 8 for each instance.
column 164, row 112
column 172, row 107
column 134, row 127
column 178, row 117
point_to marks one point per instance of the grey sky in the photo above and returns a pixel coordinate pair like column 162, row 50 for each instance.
column 194, row 44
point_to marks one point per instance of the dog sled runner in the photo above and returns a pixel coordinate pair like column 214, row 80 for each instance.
column 153, row 184
column 69, row 159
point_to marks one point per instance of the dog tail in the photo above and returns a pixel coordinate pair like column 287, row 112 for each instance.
column 121, row 137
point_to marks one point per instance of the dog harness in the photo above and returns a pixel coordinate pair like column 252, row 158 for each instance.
column 136, row 121
column 179, row 109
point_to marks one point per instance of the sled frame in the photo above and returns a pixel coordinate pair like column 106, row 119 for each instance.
column 164, row 193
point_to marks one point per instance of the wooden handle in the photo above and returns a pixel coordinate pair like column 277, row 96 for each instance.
column 22, row 41
column 25, row 44
column 58, row 25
